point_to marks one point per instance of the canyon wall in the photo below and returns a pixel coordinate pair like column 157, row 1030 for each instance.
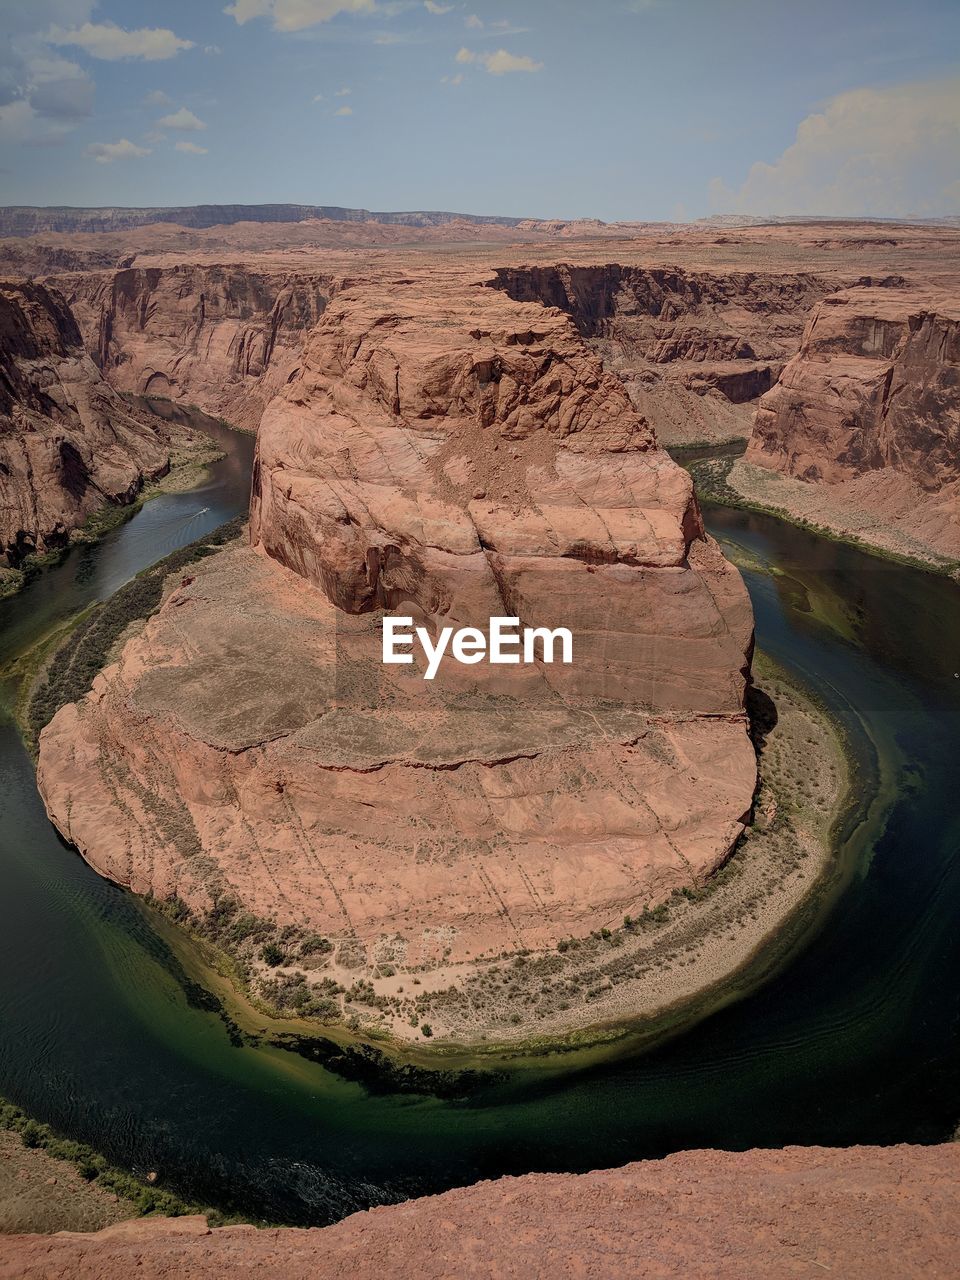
column 870, row 408
column 695, row 348
column 68, row 441
column 800, row 1212
column 224, row 338
column 444, row 452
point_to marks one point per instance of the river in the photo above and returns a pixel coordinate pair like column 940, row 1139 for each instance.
column 852, row 1039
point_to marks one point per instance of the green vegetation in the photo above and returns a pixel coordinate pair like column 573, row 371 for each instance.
column 93, row 1167
column 86, row 650
column 238, row 940
column 11, row 580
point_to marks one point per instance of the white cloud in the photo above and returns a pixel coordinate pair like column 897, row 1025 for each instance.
column 452, row 80
column 295, row 15
column 183, row 120
column 190, row 148
column 344, row 111
column 19, row 123
column 343, row 93
column 109, row 42
column 42, row 97
column 157, row 98
column 500, row 63
column 473, row 22
column 42, row 94
column 107, row 152
column 59, row 89
column 432, row 7
column 886, row 152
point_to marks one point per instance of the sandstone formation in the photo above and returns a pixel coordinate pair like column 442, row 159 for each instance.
column 800, row 1212
column 870, row 406
column 450, row 454
column 223, row 338
column 68, row 442
column 695, row 348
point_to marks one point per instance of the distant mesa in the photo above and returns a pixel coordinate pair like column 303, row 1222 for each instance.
column 30, row 220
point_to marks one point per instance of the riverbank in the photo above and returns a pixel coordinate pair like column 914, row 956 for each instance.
column 39, row 1193
column 188, row 469
column 61, row 665
column 49, row 1183
column 832, row 511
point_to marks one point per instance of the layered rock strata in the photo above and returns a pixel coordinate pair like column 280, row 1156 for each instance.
column 447, row 454
column 695, row 348
column 224, row 338
column 870, row 409
column 68, row 442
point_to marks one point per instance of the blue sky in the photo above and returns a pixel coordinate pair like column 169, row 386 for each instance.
column 654, row 109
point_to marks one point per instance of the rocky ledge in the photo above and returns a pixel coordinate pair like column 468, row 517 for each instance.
column 800, row 1212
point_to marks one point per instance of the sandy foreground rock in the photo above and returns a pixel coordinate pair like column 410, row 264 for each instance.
column 799, row 1212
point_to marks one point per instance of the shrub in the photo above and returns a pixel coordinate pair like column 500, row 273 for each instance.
column 31, row 1134
column 314, row 944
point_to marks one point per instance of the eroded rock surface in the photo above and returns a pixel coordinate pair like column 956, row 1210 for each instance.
column 695, row 348
column 870, row 406
column 800, row 1212
column 224, row 338
column 450, row 454
column 68, row 442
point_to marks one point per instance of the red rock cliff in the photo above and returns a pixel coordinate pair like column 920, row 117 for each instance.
column 222, row 337
column 874, row 391
column 801, row 1213
column 68, row 442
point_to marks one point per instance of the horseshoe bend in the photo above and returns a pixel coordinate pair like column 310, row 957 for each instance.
column 444, row 452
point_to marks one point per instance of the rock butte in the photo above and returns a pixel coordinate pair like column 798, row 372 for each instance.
column 800, row 1212
column 450, row 453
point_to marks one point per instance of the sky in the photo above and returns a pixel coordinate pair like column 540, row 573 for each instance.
column 613, row 109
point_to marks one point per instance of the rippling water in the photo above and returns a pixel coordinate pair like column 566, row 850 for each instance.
column 854, row 1037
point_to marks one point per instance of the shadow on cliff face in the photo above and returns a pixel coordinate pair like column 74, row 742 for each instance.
column 762, row 714
column 74, row 472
